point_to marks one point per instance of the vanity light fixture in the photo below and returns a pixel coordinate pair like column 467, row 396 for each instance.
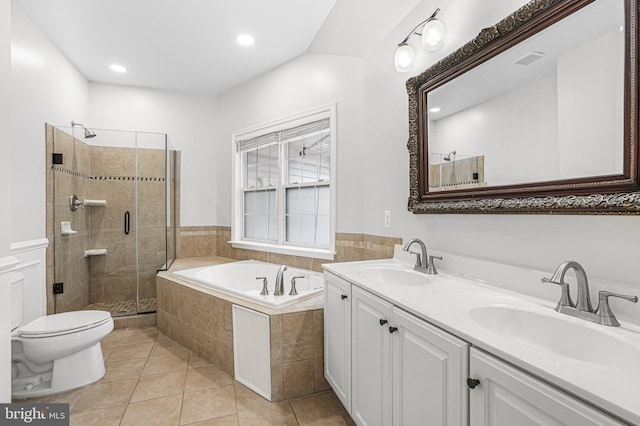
column 434, row 109
column 432, row 39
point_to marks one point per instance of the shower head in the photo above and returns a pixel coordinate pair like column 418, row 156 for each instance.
column 88, row 133
column 448, row 156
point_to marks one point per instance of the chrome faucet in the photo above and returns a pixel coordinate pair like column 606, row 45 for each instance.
column 424, row 263
column 583, row 309
column 279, row 290
column 584, row 301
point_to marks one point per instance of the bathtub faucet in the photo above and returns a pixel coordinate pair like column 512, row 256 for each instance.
column 279, row 290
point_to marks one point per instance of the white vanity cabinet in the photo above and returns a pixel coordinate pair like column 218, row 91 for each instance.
column 337, row 337
column 506, row 396
column 430, row 368
column 404, row 371
column 370, row 359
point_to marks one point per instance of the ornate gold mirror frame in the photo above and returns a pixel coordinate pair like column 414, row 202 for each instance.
column 611, row 194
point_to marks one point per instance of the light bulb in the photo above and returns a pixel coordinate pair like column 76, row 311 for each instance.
column 433, row 35
column 245, row 39
column 118, row 68
column 404, row 57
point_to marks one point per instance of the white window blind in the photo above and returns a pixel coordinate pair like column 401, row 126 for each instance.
column 286, row 185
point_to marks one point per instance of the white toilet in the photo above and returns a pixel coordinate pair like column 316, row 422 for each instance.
column 54, row 353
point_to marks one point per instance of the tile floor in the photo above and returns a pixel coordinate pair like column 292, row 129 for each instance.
column 152, row 380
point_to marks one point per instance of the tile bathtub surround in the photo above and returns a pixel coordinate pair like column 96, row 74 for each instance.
column 203, row 322
column 202, row 241
column 152, row 380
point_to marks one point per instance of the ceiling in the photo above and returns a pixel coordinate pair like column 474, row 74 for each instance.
column 191, row 45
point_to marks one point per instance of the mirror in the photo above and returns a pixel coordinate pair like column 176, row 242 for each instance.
column 537, row 114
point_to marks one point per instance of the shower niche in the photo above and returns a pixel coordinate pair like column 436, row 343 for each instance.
column 111, row 212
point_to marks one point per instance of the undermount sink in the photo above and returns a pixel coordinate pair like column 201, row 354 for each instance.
column 563, row 337
column 393, row 275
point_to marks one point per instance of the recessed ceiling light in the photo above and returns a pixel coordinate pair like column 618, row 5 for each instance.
column 245, row 39
column 434, row 109
column 118, row 68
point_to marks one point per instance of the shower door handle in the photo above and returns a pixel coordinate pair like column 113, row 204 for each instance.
column 127, row 222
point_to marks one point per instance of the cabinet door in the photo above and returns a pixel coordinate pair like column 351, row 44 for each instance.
column 337, row 337
column 430, row 368
column 507, row 396
column 371, row 359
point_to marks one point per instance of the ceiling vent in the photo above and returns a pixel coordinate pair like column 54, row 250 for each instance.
column 529, row 58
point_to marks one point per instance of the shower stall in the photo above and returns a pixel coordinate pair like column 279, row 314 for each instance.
column 111, row 210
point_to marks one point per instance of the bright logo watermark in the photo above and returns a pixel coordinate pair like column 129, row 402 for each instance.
column 34, row 414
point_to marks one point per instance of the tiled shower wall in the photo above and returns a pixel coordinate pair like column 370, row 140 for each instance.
column 113, row 277
column 104, row 173
column 71, row 177
column 204, row 241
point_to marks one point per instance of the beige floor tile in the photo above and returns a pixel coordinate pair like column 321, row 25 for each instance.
column 231, row 420
column 110, row 416
column 195, row 361
column 320, row 407
column 166, row 363
column 139, row 335
column 207, row 404
column 113, row 339
column 102, row 395
column 125, row 369
column 154, row 412
column 159, row 385
column 164, row 383
column 69, row 397
column 119, row 353
column 166, row 346
column 248, row 400
column 278, row 413
column 330, row 420
column 206, row 377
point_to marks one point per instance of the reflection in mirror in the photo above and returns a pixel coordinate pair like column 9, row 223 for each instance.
column 549, row 108
column 538, row 113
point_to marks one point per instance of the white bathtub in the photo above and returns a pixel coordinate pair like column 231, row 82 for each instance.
column 239, row 279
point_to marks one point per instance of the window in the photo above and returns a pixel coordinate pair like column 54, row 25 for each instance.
column 284, row 189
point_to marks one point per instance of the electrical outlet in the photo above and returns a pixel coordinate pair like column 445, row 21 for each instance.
column 387, row 218
column 58, row 288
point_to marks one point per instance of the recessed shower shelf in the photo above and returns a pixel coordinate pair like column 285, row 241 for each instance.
column 95, row 252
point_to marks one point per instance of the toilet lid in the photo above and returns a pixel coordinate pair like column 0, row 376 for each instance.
column 64, row 323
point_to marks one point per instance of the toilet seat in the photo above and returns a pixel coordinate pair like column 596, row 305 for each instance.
column 61, row 324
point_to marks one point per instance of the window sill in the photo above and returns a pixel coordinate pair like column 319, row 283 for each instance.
column 315, row 253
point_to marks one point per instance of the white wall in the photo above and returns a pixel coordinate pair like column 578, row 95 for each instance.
column 517, row 136
column 605, row 245
column 372, row 136
column 5, row 241
column 590, row 107
column 373, row 163
column 189, row 119
column 306, row 82
column 45, row 87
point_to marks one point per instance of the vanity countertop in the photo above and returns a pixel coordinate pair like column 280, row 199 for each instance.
column 446, row 301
